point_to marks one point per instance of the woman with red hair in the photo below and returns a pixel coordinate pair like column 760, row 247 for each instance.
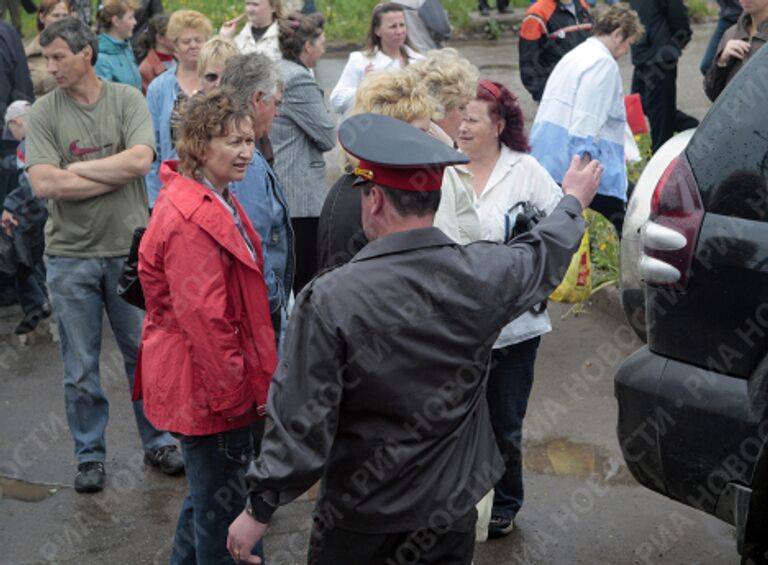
column 503, row 177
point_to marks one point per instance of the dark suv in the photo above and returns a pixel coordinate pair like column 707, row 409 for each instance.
column 693, row 417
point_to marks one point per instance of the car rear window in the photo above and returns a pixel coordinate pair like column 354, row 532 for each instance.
column 729, row 151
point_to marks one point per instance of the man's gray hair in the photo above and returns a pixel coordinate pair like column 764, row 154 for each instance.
column 75, row 34
column 247, row 74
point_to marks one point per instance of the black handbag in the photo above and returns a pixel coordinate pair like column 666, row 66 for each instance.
column 522, row 218
column 129, row 285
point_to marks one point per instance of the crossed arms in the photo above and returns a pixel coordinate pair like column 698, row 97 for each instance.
column 86, row 179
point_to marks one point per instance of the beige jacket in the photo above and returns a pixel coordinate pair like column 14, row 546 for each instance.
column 268, row 44
column 42, row 82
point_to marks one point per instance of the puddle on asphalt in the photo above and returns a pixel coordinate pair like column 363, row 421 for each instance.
column 563, row 457
column 15, row 489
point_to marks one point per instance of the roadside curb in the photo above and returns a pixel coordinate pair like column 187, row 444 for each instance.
column 608, row 301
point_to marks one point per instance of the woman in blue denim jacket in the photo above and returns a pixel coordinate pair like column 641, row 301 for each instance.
column 262, row 198
column 188, row 30
column 260, row 192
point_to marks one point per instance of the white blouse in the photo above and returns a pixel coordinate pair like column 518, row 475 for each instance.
column 516, row 177
column 354, row 72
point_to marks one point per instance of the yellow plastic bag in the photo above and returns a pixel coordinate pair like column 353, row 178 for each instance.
column 577, row 284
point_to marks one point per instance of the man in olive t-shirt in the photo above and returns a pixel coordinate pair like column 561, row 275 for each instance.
column 89, row 144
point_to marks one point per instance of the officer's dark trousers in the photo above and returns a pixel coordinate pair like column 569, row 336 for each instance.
column 657, row 85
column 421, row 547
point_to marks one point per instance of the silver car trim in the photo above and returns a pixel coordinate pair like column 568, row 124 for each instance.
column 654, row 271
column 661, row 238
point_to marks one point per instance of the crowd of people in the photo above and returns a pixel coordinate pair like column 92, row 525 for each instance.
column 269, row 293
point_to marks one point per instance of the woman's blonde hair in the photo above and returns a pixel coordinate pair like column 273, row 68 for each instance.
column 449, row 79
column 217, row 49
column 277, row 9
column 395, row 94
column 183, row 20
column 203, row 117
column 115, row 8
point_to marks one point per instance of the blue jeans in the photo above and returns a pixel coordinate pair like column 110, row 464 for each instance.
column 31, row 289
column 215, row 466
column 714, row 41
column 509, row 387
column 81, row 289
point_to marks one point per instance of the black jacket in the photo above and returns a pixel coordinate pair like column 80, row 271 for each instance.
column 15, row 82
column 667, row 31
column 730, row 10
column 382, row 388
column 340, row 230
column 549, row 30
column 24, row 247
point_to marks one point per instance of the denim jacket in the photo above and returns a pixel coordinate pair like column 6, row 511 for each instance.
column 161, row 99
column 262, row 198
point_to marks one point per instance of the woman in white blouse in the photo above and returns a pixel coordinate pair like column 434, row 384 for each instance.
column 261, row 31
column 386, row 47
column 501, row 174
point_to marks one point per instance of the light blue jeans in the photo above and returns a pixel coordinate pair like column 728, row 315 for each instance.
column 80, row 290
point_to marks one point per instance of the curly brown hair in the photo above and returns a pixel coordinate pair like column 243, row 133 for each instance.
column 200, row 119
column 618, row 17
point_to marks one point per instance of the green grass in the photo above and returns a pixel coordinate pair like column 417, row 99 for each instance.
column 701, row 9
column 347, row 20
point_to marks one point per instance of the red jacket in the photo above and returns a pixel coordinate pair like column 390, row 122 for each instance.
column 208, row 348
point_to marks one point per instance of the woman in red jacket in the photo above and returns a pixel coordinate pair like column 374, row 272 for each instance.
column 208, row 348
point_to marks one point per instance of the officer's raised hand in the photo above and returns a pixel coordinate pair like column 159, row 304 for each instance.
column 582, row 181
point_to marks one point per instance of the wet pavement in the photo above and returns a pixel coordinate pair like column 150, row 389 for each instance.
column 582, row 505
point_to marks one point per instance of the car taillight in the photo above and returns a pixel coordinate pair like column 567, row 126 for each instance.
column 669, row 237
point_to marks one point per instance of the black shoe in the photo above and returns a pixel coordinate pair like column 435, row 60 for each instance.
column 31, row 320
column 499, row 527
column 90, row 477
column 167, row 458
column 485, row 12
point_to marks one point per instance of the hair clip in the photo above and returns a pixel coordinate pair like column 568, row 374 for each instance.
column 492, row 88
column 294, row 24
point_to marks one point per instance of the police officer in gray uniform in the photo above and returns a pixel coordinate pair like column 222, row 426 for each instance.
column 381, row 391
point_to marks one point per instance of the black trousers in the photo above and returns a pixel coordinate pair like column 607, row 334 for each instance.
column 500, row 4
column 421, row 547
column 657, row 85
column 612, row 208
column 305, row 246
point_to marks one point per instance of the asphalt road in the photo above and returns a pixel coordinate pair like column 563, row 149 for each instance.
column 582, row 506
